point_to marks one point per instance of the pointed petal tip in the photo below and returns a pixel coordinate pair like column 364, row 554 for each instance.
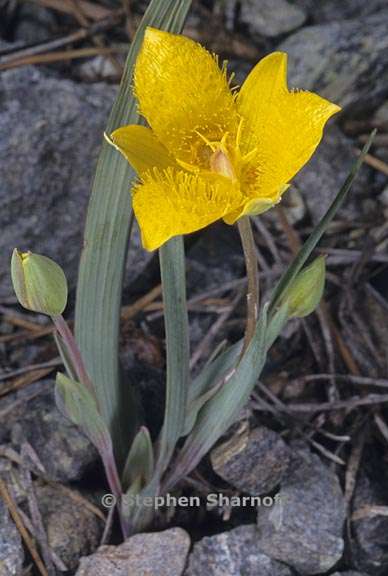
column 108, row 137
column 278, row 54
column 112, row 139
column 335, row 108
column 113, row 136
column 140, row 147
column 276, row 59
column 330, row 109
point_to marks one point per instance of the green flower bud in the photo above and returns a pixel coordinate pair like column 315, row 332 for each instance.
column 306, row 291
column 39, row 283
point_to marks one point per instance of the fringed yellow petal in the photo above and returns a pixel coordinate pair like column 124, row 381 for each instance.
column 280, row 129
column 141, row 148
column 184, row 95
column 172, row 202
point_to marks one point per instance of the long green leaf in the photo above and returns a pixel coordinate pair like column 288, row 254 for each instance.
column 206, row 383
column 222, row 409
column 303, row 254
column 214, row 370
column 172, row 269
column 105, row 248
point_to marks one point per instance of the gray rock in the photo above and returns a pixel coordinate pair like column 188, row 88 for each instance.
column 35, row 24
column 33, row 417
column 343, row 61
column 332, row 10
column 383, row 197
column 381, row 114
column 157, row 554
column 98, row 67
column 349, row 573
column 234, row 553
column 269, row 18
column 72, row 529
column 11, row 549
column 253, row 461
column 322, row 177
column 51, row 134
column 304, row 527
column 370, row 529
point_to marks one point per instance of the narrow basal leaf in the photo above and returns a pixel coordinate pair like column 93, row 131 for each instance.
column 224, row 407
column 195, row 406
column 213, row 371
column 206, row 384
column 172, row 270
column 304, row 253
column 105, row 248
column 276, row 323
column 139, row 466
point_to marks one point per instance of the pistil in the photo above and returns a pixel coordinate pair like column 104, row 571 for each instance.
column 220, row 163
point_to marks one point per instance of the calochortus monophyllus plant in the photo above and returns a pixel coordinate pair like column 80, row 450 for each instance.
column 212, row 151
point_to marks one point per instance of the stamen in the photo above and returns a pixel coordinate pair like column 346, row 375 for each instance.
column 223, row 142
column 239, row 132
column 212, row 145
column 249, row 156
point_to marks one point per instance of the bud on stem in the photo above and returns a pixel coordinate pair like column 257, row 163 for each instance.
column 39, row 283
column 306, row 291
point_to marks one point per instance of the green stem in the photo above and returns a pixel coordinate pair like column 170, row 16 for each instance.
column 73, row 352
column 249, row 248
column 112, row 476
column 105, row 449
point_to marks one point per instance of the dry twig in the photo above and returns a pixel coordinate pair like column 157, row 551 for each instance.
column 16, row 516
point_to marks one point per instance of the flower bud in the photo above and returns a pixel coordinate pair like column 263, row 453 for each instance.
column 39, row 283
column 306, row 291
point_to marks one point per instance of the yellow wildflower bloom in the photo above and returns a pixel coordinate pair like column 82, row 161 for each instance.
column 212, row 152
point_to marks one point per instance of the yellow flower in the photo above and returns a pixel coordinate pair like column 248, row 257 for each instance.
column 212, row 152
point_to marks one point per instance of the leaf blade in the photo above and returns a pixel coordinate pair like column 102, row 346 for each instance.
column 104, row 254
column 218, row 413
column 172, row 268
